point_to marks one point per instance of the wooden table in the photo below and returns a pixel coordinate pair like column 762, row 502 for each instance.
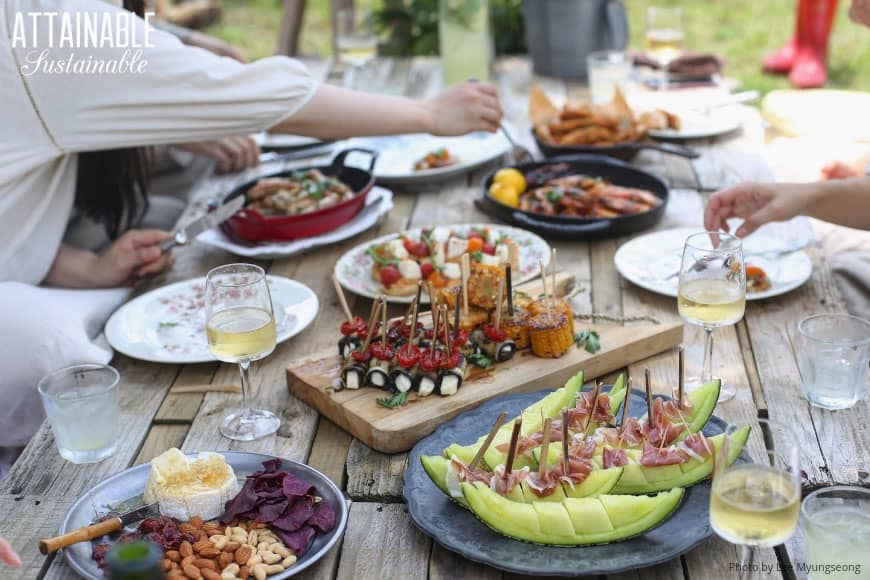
column 756, row 356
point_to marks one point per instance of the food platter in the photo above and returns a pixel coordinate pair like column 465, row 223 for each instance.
column 124, row 490
column 354, row 269
column 698, row 125
column 652, row 262
column 167, row 325
column 397, row 155
column 459, row 531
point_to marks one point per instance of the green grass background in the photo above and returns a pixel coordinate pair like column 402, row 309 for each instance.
column 740, row 30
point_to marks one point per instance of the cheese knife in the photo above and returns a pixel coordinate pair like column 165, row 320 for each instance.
column 99, row 529
column 214, row 217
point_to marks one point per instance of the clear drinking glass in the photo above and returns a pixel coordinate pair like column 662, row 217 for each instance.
column 240, row 326
column 712, row 291
column 608, row 69
column 833, row 355
column 355, row 36
column 465, row 40
column 83, row 408
column 664, row 35
column 757, row 504
column 836, row 525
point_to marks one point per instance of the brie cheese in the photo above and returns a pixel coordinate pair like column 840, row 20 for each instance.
column 397, row 248
column 410, row 269
column 452, row 271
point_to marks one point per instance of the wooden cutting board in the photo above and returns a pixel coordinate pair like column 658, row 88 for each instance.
column 391, row 430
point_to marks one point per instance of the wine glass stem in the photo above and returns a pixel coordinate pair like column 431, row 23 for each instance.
column 707, row 374
column 747, row 556
column 245, row 372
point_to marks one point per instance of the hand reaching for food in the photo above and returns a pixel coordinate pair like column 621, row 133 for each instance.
column 134, row 255
column 465, row 108
column 230, row 153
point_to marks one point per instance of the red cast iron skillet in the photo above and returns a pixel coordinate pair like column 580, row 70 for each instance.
column 626, row 150
column 573, row 227
column 251, row 225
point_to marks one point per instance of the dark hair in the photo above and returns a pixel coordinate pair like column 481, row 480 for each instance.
column 112, row 185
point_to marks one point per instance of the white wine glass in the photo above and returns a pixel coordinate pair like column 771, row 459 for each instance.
column 712, row 291
column 664, row 35
column 240, row 326
column 757, row 504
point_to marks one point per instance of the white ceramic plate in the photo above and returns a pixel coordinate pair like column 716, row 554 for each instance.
column 697, row 125
column 650, row 260
column 395, row 164
column 378, row 203
column 354, row 268
column 280, row 141
column 167, row 325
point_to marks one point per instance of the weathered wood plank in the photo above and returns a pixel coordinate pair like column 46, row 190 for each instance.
column 26, row 519
column 182, row 407
column 446, row 565
column 159, row 439
column 329, row 451
column 374, row 476
column 672, row 570
column 381, row 542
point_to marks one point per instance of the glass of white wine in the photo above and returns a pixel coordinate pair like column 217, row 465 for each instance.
column 240, row 327
column 664, row 35
column 757, row 504
column 712, row 291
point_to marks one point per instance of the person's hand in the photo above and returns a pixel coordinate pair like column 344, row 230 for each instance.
column 230, row 153
column 8, row 555
column 134, row 255
column 839, row 170
column 859, row 12
column 214, row 45
column 756, row 203
column 465, row 108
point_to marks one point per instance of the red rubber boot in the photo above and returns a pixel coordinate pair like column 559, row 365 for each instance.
column 809, row 70
column 781, row 61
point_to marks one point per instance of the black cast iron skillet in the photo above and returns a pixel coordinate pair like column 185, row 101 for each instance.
column 625, row 151
column 612, row 170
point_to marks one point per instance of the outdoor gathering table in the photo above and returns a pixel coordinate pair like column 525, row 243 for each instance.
column 756, row 356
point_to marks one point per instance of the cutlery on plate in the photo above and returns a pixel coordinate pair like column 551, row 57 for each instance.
column 215, row 216
column 107, row 526
column 519, row 154
column 703, row 263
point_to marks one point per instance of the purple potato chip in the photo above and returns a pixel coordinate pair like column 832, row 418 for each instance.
column 271, row 511
column 298, row 541
column 245, row 501
column 296, row 487
column 295, row 515
column 323, row 518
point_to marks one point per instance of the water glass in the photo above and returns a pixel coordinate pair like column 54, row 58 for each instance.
column 836, row 524
column 83, row 408
column 833, row 355
column 355, row 37
column 608, row 69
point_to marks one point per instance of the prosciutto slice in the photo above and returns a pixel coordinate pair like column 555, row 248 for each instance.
column 699, row 445
column 504, row 485
column 631, row 435
column 582, row 448
column 577, row 415
column 469, row 475
column 660, row 429
column 653, row 456
column 578, row 470
column 613, row 458
column 543, row 485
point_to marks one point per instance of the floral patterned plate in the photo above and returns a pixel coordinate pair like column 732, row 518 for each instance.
column 354, row 268
column 651, row 261
column 167, row 325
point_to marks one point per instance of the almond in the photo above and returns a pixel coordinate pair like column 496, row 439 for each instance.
column 212, row 529
column 209, row 552
column 185, row 549
column 225, row 559
column 166, row 564
column 210, row 574
column 232, row 547
column 196, row 521
column 192, row 572
column 187, row 561
column 242, row 555
column 244, row 573
column 173, row 555
column 176, row 575
column 203, row 564
column 198, row 547
column 187, row 528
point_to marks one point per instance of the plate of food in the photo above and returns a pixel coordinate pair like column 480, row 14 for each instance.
column 613, row 129
column 221, row 512
column 167, row 325
column 700, row 125
column 392, row 264
column 419, row 158
column 653, row 261
column 301, row 202
column 577, row 196
column 631, row 493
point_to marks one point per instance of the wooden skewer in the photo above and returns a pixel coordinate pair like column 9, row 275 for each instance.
column 488, row 441
column 376, row 308
column 546, row 296
column 498, row 303
column 341, row 299
column 445, row 318
column 512, row 450
column 510, row 289
column 649, row 401
column 419, row 292
column 553, row 273
column 413, row 332
column 466, row 269
column 384, row 321
column 435, row 321
column 626, row 403
column 565, row 445
column 545, row 447
column 594, row 403
column 456, row 305
column 433, row 298
column 681, row 379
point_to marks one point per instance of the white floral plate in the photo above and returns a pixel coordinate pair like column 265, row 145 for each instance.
column 397, row 154
column 650, row 261
column 354, row 268
column 167, row 325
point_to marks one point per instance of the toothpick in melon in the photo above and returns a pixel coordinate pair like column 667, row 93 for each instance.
column 488, row 441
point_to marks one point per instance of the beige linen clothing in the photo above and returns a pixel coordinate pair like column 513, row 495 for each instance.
column 184, row 94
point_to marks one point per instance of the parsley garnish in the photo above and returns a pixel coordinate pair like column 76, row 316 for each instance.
column 380, row 259
column 555, row 194
column 477, row 256
column 589, row 340
column 162, row 325
column 479, row 359
column 397, row 400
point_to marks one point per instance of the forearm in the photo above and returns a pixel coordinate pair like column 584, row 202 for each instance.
column 72, row 268
column 336, row 113
column 845, row 202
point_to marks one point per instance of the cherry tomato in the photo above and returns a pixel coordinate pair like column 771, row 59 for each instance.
column 426, row 269
column 437, row 280
column 420, row 249
column 488, row 249
column 475, row 244
column 390, row 275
